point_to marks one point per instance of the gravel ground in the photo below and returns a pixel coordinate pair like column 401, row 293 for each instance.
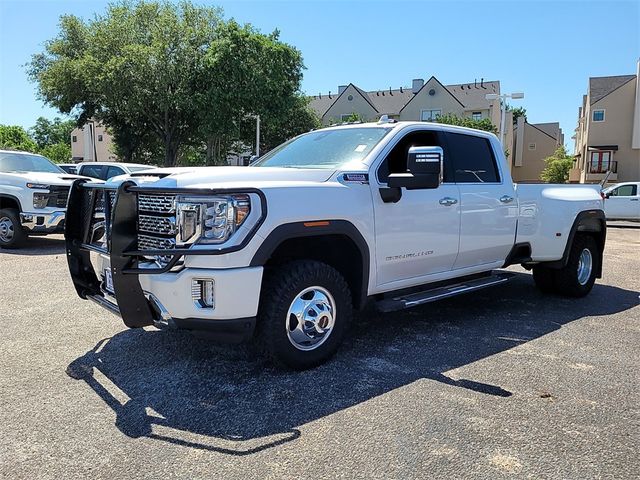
column 501, row 383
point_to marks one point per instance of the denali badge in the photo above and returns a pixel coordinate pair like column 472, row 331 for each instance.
column 356, row 177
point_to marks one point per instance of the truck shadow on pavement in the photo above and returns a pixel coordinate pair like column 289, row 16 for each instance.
column 174, row 387
column 44, row 245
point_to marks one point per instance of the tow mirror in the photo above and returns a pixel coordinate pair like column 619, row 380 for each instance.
column 424, row 169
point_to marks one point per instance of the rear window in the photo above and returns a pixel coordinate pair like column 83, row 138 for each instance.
column 473, row 159
column 94, row 171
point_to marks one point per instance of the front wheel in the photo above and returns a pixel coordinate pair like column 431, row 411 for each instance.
column 305, row 310
column 11, row 233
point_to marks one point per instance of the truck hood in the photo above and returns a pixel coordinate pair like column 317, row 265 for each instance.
column 44, row 177
column 228, row 177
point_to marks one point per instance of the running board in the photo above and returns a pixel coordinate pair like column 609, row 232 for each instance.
column 414, row 299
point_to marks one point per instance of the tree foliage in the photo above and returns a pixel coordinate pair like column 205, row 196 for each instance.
column 517, row 112
column 13, row 137
column 50, row 132
column 557, row 166
column 165, row 76
column 453, row 119
column 50, row 138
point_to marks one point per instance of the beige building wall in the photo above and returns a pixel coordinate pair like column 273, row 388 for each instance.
column 617, row 129
column 83, row 141
column 350, row 101
column 532, row 146
column 440, row 100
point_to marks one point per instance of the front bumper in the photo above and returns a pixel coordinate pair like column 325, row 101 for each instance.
column 43, row 222
column 146, row 295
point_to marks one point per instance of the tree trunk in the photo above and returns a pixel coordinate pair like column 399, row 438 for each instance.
column 171, row 147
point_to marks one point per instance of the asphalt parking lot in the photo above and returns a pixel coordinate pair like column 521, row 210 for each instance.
column 501, row 383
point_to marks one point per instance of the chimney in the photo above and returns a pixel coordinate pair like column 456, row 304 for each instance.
column 417, row 84
column 342, row 88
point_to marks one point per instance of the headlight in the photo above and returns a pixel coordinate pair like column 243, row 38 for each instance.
column 211, row 219
column 38, row 186
column 40, row 200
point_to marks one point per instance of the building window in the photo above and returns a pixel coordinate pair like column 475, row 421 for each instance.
column 600, row 162
column 598, row 116
column 476, row 116
column 532, row 146
column 99, row 138
column 430, row 115
column 74, row 138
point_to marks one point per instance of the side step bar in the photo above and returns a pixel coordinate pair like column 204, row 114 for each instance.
column 414, row 299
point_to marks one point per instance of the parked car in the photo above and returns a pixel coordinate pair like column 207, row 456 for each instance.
column 622, row 201
column 389, row 214
column 33, row 197
column 106, row 170
column 69, row 167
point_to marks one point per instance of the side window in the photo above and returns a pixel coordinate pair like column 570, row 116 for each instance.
column 94, row 171
column 625, row 191
column 113, row 171
column 473, row 159
column 396, row 160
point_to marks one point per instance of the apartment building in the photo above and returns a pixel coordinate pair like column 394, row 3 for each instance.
column 92, row 143
column 608, row 133
column 533, row 142
column 422, row 101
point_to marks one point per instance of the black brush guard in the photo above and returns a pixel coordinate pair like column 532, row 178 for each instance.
column 122, row 246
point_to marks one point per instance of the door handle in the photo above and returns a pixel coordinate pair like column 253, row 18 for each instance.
column 634, row 199
column 448, row 201
column 506, row 199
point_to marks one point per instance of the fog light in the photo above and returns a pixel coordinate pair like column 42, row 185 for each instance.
column 202, row 292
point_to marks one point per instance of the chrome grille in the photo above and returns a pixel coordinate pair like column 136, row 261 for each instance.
column 155, row 224
column 147, row 242
column 156, row 203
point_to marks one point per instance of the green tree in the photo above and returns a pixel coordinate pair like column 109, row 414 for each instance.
column 517, row 112
column 557, row 166
column 246, row 73
column 157, row 73
column 49, row 132
column 14, row 137
column 453, row 119
column 138, row 65
column 57, row 152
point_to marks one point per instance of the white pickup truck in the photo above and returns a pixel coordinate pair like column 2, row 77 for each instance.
column 389, row 214
column 33, row 197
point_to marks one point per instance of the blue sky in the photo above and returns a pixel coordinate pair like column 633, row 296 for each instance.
column 546, row 49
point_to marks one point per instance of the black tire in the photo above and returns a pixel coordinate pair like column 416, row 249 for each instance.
column 11, row 233
column 281, row 287
column 567, row 281
column 544, row 279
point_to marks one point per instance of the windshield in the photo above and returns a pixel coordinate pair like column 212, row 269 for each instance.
column 324, row 148
column 16, row 162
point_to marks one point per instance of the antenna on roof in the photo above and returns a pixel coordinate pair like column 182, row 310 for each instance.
column 400, row 89
column 329, row 93
column 390, row 92
column 475, row 82
column 377, row 94
column 482, row 82
column 383, row 93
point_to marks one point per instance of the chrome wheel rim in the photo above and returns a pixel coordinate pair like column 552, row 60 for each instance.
column 6, row 229
column 310, row 318
column 585, row 265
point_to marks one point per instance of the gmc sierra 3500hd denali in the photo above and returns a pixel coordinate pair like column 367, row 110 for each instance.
column 395, row 214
